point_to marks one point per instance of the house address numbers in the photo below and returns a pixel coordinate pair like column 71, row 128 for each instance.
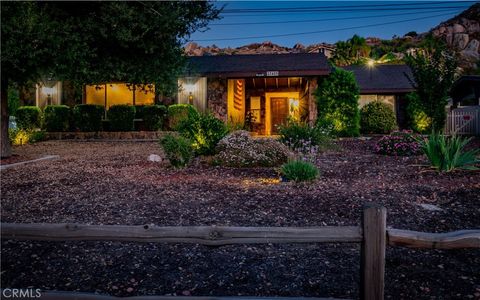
column 268, row 73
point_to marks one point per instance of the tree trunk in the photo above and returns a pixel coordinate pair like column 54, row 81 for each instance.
column 5, row 142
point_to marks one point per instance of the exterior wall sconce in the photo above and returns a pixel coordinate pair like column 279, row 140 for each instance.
column 190, row 98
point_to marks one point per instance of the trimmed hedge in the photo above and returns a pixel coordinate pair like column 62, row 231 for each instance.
column 88, row 117
column 178, row 113
column 377, row 117
column 28, row 117
column 121, row 117
column 154, row 116
column 57, row 117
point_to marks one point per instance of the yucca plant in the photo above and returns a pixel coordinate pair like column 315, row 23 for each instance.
column 448, row 153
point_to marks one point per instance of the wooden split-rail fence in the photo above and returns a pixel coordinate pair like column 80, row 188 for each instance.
column 373, row 235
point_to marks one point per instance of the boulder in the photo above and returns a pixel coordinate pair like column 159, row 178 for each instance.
column 457, row 28
column 449, row 39
column 473, row 27
column 190, row 47
column 473, row 46
column 460, row 40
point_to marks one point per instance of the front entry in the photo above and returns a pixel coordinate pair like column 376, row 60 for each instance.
column 279, row 113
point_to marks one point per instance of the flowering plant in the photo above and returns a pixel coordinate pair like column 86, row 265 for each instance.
column 401, row 143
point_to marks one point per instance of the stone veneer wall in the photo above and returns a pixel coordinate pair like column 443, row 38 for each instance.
column 217, row 97
column 312, row 104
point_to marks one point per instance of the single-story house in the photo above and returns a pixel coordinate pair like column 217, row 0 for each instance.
column 264, row 90
column 386, row 83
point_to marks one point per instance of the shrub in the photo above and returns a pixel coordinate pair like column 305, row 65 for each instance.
column 28, row 117
column 178, row 113
column 239, row 149
column 57, row 117
column 447, row 154
column 121, row 117
column 153, row 116
column 177, row 149
column 298, row 170
column 139, row 111
column 13, row 96
column 337, row 103
column 88, row 117
column 377, row 117
column 21, row 136
column 398, row 144
column 204, row 130
column 296, row 134
column 417, row 118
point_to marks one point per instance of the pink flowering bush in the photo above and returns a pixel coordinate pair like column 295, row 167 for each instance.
column 402, row 143
column 239, row 149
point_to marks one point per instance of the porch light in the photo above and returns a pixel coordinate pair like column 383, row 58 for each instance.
column 190, row 98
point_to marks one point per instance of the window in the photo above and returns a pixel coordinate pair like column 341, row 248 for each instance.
column 119, row 93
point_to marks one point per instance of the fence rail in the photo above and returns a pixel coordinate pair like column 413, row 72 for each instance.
column 372, row 234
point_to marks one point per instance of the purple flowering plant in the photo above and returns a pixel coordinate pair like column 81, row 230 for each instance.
column 399, row 143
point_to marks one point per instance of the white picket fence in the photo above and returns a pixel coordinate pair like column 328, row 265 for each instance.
column 463, row 121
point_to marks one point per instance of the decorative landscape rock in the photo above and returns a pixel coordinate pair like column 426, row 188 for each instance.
column 154, row 158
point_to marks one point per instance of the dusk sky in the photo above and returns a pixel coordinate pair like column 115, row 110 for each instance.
column 330, row 21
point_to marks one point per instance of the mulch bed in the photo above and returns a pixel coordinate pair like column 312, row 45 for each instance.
column 113, row 183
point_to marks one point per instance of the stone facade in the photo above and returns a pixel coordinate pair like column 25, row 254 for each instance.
column 312, row 104
column 217, row 97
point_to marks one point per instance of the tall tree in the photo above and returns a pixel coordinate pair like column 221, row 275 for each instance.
column 434, row 70
column 93, row 42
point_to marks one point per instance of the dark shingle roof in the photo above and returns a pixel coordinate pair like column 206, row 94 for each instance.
column 293, row 64
column 383, row 78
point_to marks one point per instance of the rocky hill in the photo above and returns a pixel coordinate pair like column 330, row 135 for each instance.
column 267, row 47
column 461, row 33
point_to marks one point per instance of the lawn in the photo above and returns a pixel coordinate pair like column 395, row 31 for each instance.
column 114, row 183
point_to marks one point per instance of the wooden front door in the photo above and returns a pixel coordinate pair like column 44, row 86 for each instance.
column 279, row 113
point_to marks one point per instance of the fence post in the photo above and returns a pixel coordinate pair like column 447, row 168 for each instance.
column 372, row 266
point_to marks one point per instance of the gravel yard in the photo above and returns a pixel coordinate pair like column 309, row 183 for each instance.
column 114, row 183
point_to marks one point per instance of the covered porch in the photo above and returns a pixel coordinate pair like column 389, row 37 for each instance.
column 262, row 104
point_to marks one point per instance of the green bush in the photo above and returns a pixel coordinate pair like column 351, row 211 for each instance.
column 296, row 134
column 298, row 170
column 154, row 116
column 398, row 144
column 178, row 113
column 337, row 103
column 28, row 117
column 238, row 149
column 178, row 150
column 418, row 119
column 13, row 100
column 88, row 117
column 121, row 117
column 377, row 117
column 448, row 153
column 204, row 130
column 139, row 111
column 57, row 117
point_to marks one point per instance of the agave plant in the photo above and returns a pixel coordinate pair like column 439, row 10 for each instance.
column 447, row 154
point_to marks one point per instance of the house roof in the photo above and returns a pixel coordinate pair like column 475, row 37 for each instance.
column 465, row 86
column 259, row 65
column 383, row 79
